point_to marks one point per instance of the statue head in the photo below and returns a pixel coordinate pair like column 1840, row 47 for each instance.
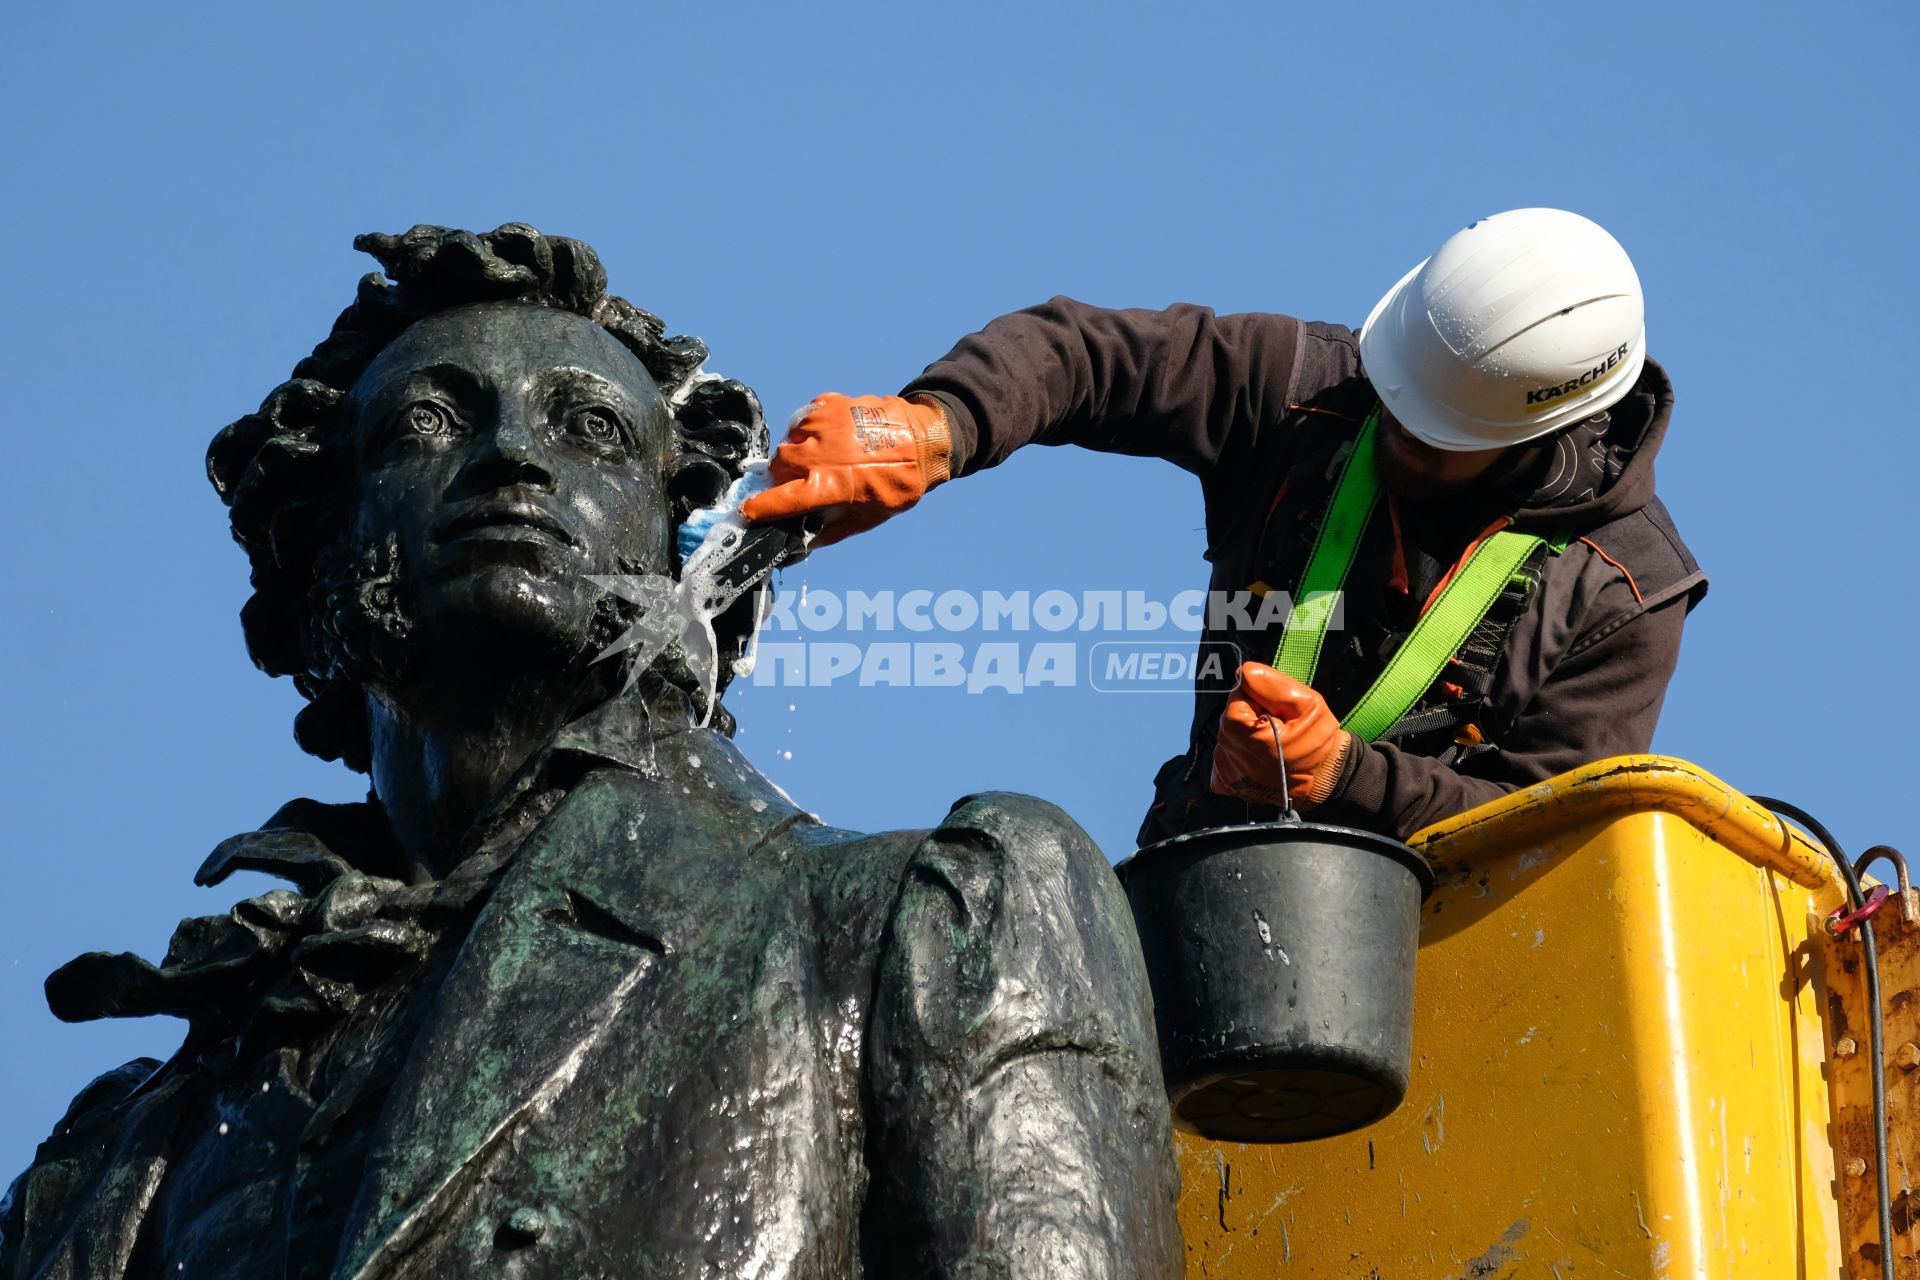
column 484, row 428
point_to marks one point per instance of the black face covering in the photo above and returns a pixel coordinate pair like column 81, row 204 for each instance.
column 1574, row 465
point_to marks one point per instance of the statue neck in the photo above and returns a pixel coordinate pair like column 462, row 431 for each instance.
column 440, row 756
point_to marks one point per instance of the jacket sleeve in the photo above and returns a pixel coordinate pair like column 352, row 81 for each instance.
column 1181, row 384
column 1018, row 1122
column 1602, row 700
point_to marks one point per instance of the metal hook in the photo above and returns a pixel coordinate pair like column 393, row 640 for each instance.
column 1909, row 904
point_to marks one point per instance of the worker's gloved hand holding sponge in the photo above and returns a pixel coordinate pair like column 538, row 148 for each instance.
column 1267, row 705
column 859, row 459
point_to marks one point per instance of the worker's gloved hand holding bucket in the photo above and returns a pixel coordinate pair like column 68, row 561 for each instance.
column 1281, row 957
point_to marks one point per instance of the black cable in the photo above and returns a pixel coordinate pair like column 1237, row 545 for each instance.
column 1876, row 1032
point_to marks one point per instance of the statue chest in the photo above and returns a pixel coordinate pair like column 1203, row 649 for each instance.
column 643, row 1059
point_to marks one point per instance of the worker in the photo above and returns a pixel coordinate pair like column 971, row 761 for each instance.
column 1469, row 477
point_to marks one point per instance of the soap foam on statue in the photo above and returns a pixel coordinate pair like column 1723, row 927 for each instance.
column 684, row 609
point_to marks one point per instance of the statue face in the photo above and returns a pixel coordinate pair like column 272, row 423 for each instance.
column 505, row 451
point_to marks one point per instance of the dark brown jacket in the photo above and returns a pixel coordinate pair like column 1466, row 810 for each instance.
column 1262, row 408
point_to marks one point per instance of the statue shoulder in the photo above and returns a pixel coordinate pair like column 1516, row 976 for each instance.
column 1007, row 877
column 1009, row 892
column 82, row 1144
column 1031, row 849
column 107, row 1091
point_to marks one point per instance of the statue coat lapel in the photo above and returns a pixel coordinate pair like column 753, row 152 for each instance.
column 587, row 920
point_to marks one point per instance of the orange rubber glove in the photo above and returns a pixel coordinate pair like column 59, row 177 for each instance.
column 861, row 460
column 1266, row 705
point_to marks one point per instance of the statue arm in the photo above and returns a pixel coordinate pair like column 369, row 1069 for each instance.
column 1018, row 1123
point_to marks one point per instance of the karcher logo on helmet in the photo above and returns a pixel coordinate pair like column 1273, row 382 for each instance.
column 1543, row 397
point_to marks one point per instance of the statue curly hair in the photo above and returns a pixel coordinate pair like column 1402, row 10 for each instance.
column 286, row 472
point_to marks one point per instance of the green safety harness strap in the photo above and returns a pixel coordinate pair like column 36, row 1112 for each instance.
column 1445, row 624
column 1354, row 495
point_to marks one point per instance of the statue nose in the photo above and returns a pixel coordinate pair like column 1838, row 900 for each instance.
column 510, row 454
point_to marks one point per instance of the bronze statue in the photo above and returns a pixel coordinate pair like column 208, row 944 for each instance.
column 577, row 991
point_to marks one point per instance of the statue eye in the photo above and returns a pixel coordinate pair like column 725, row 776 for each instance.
column 596, row 425
column 425, row 418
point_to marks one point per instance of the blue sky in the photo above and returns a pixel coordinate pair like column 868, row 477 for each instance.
column 831, row 195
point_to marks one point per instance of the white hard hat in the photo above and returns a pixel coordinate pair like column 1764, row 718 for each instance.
column 1523, row 323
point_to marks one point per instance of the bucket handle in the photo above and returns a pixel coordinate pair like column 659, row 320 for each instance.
column 1289, row 816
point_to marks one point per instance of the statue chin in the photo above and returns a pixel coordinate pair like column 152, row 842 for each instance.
column 501, row 614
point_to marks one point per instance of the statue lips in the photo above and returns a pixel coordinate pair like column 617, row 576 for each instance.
column 495, row 521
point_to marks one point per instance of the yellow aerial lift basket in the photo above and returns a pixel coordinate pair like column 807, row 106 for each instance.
column 1638, row 1051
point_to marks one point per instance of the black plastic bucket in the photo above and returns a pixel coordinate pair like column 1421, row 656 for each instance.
column 1281, row 957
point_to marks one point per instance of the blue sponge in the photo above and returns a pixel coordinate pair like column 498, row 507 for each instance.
column 702, row 523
